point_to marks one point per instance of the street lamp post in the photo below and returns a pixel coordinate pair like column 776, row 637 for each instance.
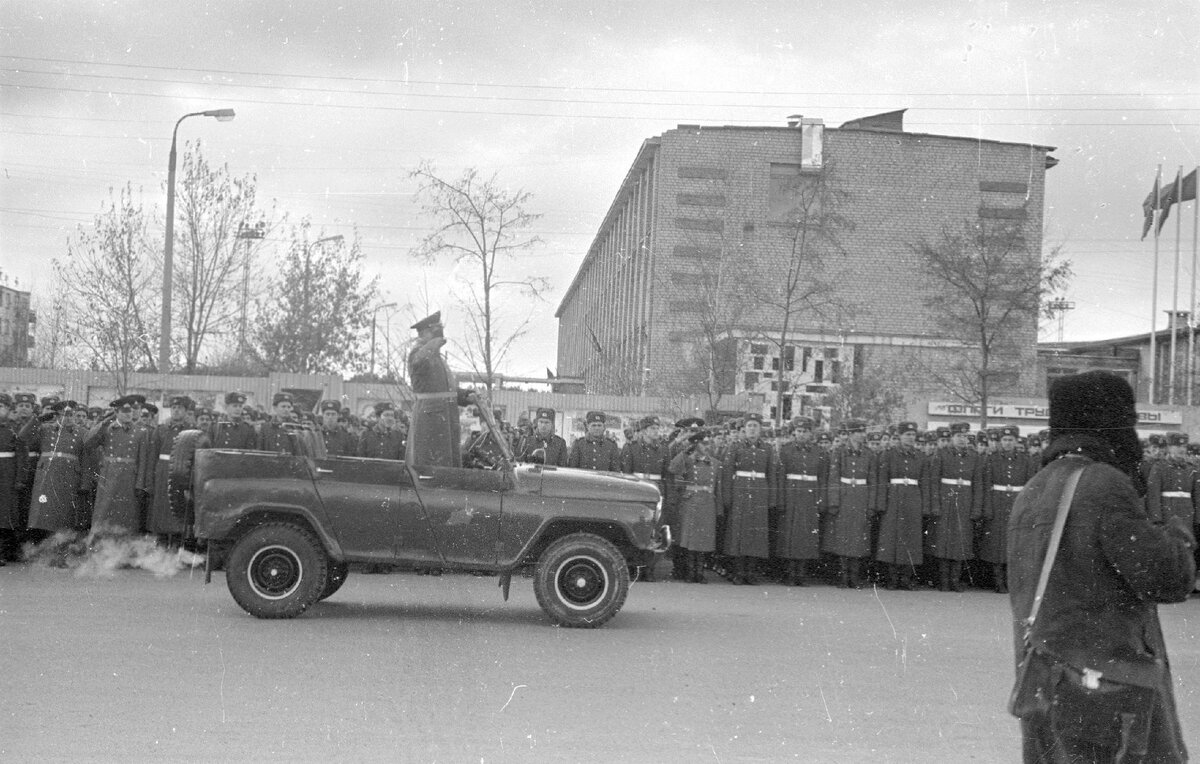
column 375, row 313
column 164, row 340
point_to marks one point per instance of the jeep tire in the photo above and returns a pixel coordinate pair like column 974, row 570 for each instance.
column 581, row 581
column 276, row 570
column 334, row 578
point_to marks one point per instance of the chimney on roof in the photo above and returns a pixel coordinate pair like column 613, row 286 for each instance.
column 794, row 120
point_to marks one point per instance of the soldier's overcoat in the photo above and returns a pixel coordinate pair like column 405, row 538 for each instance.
column 902, row 504
column 748, row 485
column 803, row 476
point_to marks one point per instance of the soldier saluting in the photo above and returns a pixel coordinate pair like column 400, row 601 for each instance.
column 117, row 509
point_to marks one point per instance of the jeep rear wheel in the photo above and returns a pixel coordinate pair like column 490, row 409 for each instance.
column 581, row 581
column 276, row 570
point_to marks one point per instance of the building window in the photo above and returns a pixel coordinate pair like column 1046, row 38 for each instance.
column 750, row 380
column 756, row 349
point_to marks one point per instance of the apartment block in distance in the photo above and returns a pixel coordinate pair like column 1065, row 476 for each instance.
column 16, row 327
column 681, row 286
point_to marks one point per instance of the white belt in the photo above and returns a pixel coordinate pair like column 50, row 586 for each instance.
column 750, row 474
column 1008, row 488
column 955, row 481
column 903, row 481
column 7, row 454
column 1177, row 494
column 854, row 481
column 647, row 476
column 800, row 476
column 164, row 457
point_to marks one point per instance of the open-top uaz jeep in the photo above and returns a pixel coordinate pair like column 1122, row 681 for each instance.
column 286, row 528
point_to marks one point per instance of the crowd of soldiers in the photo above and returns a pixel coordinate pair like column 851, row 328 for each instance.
column 67, row 467
column 892, row 504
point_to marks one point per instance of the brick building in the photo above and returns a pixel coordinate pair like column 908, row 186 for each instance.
column 682, row 286
column 16, row 327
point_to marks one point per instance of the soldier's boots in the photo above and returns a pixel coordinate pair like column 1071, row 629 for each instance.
column 697, row 565
column 956, row 576
column 1000, row 574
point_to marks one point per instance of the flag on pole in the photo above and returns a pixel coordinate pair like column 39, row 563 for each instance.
column 1148, row 207
column 1187, row 192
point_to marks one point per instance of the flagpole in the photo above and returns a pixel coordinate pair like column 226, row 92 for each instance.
column 1154, row 289
column 1174, row 298
column 1192, row 315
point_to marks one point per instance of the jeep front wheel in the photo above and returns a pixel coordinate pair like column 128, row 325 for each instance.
column 581, row 581
column 276, row 570
column 334, row 578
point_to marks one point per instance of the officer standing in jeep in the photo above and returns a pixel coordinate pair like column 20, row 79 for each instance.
column 435, row 438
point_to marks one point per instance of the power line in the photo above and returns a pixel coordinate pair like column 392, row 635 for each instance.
column 525, row 86
column 584, row 101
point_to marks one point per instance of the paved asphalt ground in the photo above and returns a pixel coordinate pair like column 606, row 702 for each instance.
column 130, row 667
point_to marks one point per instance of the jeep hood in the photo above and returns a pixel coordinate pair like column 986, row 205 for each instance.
column 567, row 483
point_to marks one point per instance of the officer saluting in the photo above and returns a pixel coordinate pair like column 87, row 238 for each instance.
column 117, row 509
column 595, row 451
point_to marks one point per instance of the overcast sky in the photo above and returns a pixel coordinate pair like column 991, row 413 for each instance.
column 337, row 102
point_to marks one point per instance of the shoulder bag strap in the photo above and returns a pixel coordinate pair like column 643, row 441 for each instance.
column 1060, row 522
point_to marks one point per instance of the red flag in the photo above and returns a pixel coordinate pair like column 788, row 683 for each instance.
column 1187, row 192
column 1148, row 209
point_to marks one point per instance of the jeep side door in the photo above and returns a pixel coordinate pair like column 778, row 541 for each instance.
column 463, row 506
column 375, row 511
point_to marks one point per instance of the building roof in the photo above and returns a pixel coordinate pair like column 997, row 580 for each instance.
column 645, row 154
column 889, row 122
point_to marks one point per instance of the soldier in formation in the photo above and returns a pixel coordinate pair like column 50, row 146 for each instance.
column 595, row 450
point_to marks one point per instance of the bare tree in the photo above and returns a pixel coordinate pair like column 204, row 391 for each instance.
column 215, row 256
column 809, row 224
column 987, row 286
column 480, row 224
column 109, row 273
column 318, row 315
column 870, row 394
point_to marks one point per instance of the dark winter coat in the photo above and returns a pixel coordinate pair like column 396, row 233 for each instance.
column 902, row 504
column 803, row 475
column 1171, row 491
column 377, row 443
column 120, row 448
column 155, row 474
column 696, row 483
column 54, row 501
column 552, row 450
column 954, row 501
column 1004, row 475
column 10, row 514
column 237, row 434
column 853, row 482
column 748, row 497
column 1113, row 566
column 600, row 453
